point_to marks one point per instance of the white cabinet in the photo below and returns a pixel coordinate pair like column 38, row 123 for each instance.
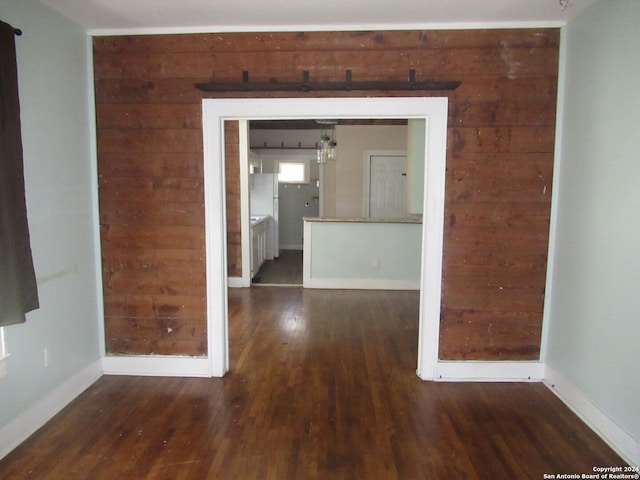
column 259, row 243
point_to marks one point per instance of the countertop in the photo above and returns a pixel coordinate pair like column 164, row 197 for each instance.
column 414, row 219
column 256, row 219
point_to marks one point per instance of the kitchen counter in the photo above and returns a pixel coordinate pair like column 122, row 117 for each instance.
column 261, row 240
column 257, row 219
column 414, row 219
column 362, row 253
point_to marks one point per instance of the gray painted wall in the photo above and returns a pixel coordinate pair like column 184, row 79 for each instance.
column 54, row 97
column 296, row 202
column 594, row 327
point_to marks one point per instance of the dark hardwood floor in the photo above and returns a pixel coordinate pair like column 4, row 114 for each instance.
column 285, row 270
column 322, row 386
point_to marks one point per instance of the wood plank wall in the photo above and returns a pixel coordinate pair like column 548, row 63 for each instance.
column 498, row 187
column 232, row 198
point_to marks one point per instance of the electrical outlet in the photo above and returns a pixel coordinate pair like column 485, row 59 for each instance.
column 47, row 357
column 376, row 263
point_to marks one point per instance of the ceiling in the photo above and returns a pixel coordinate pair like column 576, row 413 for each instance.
column 104, row 17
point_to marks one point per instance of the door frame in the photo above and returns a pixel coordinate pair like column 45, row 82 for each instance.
column 366, row 202
column 216, row 111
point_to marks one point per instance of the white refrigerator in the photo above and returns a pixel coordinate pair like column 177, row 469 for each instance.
column 264, row 201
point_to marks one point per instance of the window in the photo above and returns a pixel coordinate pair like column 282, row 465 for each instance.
column 293, row 171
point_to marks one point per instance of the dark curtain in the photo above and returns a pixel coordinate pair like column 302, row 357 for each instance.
column 18, row 288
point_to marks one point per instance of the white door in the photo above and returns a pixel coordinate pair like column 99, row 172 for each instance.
column 388, row 186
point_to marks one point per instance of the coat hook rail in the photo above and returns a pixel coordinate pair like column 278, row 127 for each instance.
column 349, row 84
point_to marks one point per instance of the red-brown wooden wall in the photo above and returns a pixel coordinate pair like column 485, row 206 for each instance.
column 498, row 187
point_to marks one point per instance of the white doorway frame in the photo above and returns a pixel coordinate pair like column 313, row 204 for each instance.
column 216, row 111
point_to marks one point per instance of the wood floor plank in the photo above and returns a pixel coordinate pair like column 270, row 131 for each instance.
column 322, row 385
column 285, row 270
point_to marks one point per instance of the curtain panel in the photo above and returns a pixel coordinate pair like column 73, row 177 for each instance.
column 18, row 288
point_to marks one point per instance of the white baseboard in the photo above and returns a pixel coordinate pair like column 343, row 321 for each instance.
column 477, row 371
column 616, row 437
column 361, row 284
column 291, row 246
column 157, row 366
column 21, row 427
column 235, row 282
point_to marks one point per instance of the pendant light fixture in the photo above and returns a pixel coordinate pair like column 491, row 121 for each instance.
column 327, row 145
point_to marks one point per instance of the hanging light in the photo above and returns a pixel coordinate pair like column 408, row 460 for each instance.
column 327, row 145
column 326, row 149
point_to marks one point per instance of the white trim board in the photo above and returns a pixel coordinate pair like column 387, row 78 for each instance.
column 236, row 282
column 245, row 204
column 488, row 371
column 95, row 198
column 553, row 219
column 360, row 284
column 21, row 427
column 156, row 366
column 100, row 32
column 609, row 431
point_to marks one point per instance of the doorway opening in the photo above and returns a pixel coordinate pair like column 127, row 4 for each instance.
column 434, row 113
column 290, row 150
column 283, row 188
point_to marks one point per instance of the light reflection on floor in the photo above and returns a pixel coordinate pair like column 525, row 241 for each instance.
column 293, row 326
